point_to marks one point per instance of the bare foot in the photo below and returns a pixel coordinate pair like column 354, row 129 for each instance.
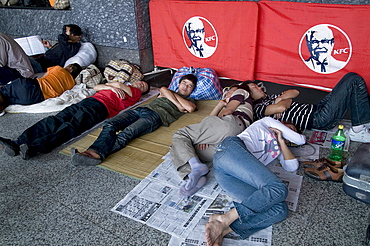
column 90, row 153
column 216, row 229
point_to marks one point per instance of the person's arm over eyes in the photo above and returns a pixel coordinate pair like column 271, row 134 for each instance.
column 182, row 104
column 69, row 49
column 286, row 132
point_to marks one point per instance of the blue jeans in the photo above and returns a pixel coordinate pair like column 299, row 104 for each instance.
column 350, row 93
column 261, row 192
column 53, row 131
column 133, row 123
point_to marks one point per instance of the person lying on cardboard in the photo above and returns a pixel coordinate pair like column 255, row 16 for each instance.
column 53, row 131
column 165, row 109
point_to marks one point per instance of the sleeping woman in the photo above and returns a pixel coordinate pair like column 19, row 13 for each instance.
column 240, row 169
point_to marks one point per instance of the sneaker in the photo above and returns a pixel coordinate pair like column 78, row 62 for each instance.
column 10, row 147
column 2, row 112
column 362, row 136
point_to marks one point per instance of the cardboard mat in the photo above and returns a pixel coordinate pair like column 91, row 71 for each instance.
column 144, row 154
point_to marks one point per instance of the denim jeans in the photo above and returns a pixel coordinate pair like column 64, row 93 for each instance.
column 350, row 93
column 53, row 131
column 260, row 192
column 133, row 123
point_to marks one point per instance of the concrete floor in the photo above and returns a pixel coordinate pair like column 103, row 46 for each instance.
column 47, row 201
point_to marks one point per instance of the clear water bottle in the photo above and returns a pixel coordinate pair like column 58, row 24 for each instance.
column 337, row 144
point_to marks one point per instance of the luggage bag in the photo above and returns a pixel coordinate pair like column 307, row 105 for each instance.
column 356, row 178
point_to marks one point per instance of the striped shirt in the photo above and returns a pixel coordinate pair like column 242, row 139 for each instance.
column 299, row 114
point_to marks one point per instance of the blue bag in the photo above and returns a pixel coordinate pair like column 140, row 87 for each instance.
column 208, row 85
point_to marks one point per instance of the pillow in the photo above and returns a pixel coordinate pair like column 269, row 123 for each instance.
column 208, row 85
column 85, row 56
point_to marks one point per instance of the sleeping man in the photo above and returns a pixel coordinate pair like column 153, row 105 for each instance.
column 26, row 91
column 53, row 131
column 165, row 109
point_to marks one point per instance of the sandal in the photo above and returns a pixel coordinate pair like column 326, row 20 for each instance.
column 325, row 173
column 319, row 162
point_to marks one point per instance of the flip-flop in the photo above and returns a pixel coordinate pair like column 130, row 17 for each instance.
column 325, row 173
column 319, row 162
column 78, row 159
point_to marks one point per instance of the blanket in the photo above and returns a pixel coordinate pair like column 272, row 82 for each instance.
column 75, row 95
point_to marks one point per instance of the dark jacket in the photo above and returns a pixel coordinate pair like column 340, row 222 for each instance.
column 61, row 52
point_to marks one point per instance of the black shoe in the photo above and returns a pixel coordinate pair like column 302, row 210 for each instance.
column 25, row 152
column 10, row 147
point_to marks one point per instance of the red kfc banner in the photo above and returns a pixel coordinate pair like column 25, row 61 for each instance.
column 312, row 45
column 217, row 35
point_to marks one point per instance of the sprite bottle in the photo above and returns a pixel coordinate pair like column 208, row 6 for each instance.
column 337, row 144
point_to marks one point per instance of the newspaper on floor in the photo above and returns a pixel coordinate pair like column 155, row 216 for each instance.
column 156, row 203
column 221, row 205
column 323, row 138
column 306, row 152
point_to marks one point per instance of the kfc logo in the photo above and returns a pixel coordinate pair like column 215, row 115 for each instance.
column 325, row 49
column 200, row 37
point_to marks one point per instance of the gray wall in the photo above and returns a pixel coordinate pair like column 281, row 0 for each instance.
column 117, row 28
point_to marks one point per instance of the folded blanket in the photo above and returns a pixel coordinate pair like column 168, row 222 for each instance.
column 75, row 95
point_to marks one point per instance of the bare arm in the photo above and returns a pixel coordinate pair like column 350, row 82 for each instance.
column 230, row 108
column 182, row 104
column 278, row 108
column 117, row 87
column 217, row 109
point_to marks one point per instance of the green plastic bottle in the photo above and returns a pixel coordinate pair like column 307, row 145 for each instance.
column 337, row 144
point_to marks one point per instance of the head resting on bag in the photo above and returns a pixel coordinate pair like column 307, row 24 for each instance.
column 186, row 88
column 74, row 69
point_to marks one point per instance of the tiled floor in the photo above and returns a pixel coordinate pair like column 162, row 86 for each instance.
column 47, row 201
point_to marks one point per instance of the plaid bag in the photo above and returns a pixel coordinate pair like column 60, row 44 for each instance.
column 122, row 71
column 59, row 4
column 90, row 76
column 208, row 85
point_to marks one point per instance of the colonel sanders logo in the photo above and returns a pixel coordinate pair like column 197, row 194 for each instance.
column 200, row 37
column 325, row 49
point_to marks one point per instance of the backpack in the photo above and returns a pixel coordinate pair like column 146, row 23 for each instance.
column 208, row 86
column 90, row 76
column 122, row 71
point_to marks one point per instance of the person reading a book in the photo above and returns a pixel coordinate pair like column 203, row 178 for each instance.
column 53, row 131
column 68, row 45
column 26, row 91
column 14, row 62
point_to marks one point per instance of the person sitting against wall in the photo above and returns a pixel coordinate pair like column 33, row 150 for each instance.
column 26, row 91
column 240, row 169
column 53, row 131
column 165, row 109
column 193, row 146
column 68, row 45
column 350, row 93
column 14, row 62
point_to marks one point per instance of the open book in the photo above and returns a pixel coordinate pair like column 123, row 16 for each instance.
column 32, row 45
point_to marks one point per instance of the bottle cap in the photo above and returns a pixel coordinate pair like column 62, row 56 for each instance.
column 340, row 127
